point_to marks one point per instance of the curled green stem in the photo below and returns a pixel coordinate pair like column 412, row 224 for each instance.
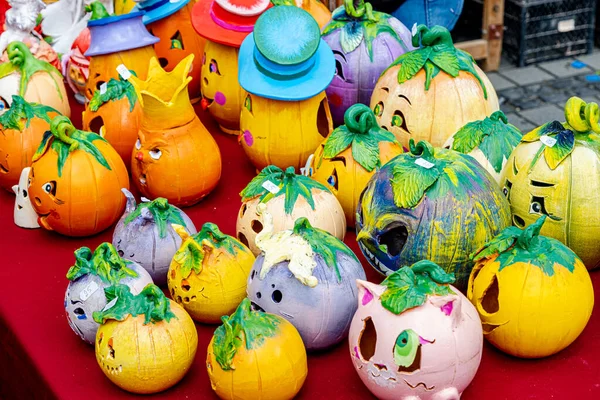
column 359, row 118
column 359, row 8
column 499, row 116
column 61, row 127
column 433, row 271
column 528, row 239
column 423, row 149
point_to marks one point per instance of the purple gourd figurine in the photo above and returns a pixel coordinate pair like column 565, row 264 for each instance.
column 144, row 234
column 364, row 43
column 307, row 276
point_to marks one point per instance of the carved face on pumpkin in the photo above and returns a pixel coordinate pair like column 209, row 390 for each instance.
column 430, row 350
column 78, row 65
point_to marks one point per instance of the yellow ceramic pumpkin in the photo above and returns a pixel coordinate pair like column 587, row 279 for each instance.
column 555, row 171
column 430, row 93
column 209, row 273
column 533, row 294
column 124, row 6
column 350, row 156
column 146, row 342
column 256, row 355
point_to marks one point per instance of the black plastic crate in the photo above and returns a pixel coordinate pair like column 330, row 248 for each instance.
column 544, row 30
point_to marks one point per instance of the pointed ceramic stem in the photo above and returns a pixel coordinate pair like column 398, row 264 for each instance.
column 358, row 8
column 528, row 240
column 432, row 271
column 435, row 36
column 131, row 204
column 423, row 149
column 499, row 116
column 359, row 119
column 61, row 127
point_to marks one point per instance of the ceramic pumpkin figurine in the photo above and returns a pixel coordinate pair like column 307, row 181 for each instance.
column 175, row 156
column 75, row 181
column 555, row 171
column 21, row 129
column 146, row 343
column 430, row 93
column 24, row 214
column 144, row 234
column 117, row 40
column 429, row 204
column 315, row 8
column 415, row 337
column 533, row 294
column 287, row 197
column 285, row 114
column 489, row 141
column 224, row 24
column 114, row 113
column 306, row 276
column 171, row 22
column 91, row 274
column 364, row 43
column 34, row 80
column 124, row 6
column 350, row 155
column 244, row 350
column 209, row 272
column 77, row 67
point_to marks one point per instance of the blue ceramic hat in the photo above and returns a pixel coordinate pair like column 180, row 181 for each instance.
column 159, row 9
column 118, row 33
column 285, row 57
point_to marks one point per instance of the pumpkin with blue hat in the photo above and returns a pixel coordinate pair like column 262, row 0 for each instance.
column 285, row 115
column 116, row 40
column 224, row 24
column 171, row 22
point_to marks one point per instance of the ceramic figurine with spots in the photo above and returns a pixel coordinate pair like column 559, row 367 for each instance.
column 351, row 155
column 24, row 215
column 209, row 273
column 91, row 274
column 256, row 355
column 287, row 197
column 285, row 114
column 433, row 204
column 146, row 342
column 224, row 24
column 430, row 93
column 22, row 127
column 175, row 156
column 364, row 42
column 489, row 141
column 171, row 22
column 35, row 80
column 76, row 66
column 414, row 336
column 555, row 171
column 75, row 181
column 117, row 40
column 144, row 234
column 533, row 294
column 307, row 276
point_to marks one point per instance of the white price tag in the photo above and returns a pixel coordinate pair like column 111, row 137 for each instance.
column 110, row 304
column 271, row 187
column 124, row 72
column 548, row 141
column 414, row 29
column 103, row 88
column 421, row 162
column 88, row 291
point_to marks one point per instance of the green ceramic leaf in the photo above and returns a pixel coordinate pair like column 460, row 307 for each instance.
column 366, row 152
column 151, row 303
column 351, row 36
column 411, row 63
column 565, row 143
column 97, row 9
column 20, row 114
column 339, row 140
column 243, row 328
column 409, row 286
column 115, row 90
column 444, row 57
column 562, row 139
column 105, row 263
column 162, row 212
column 323, row 244
column 550, row 128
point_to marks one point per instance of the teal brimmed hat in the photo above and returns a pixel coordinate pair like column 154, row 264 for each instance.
column 159, row 9
column 285, row 57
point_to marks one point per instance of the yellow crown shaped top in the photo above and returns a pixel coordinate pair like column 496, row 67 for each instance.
column 164, row 96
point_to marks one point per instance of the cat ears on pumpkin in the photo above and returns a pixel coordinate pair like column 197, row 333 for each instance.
column 367, row 292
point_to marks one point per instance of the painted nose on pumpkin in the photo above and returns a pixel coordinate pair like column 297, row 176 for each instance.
column 139, row 156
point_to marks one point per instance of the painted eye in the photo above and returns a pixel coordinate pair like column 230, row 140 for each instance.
column 277, row 296
column 248, row 103
column 406, row 349
column 177, row 41
column 213, row 67
column 537, row 205
column 378, row 110
column 50, row 188
column 397, row 121
column 506, row 189
column 80, row 313
column 333, row 180
column 3, row 104
column 339, row 70
column 138, row 144
column 155, row 153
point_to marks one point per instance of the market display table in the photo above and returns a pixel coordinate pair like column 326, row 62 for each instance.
column 40, row 357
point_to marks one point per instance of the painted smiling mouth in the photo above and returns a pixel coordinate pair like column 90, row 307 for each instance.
column 489, row 328
column 389, row 378
column 3, row 169
column 372, row 258
column 256, row 307
column 419, row 384
column 206, row 102
column 143, row 179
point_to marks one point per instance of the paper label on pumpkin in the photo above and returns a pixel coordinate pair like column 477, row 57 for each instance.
column 548, row 141
column 110, row 304
column 103, row 88
column 271, row 187
column 421, row 162
column 124, row 72
column 89, row 290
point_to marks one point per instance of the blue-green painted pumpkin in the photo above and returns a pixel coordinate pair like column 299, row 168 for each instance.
column 429, row 204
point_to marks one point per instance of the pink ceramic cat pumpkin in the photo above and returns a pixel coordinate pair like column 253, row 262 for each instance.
column 415, row 337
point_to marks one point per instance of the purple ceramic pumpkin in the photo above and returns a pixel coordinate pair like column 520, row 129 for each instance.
column 364, row 43
column 308, row 277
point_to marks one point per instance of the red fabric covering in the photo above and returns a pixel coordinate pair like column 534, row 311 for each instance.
column 42, row 358
column 4, row 6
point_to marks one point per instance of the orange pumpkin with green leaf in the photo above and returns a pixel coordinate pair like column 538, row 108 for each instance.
column 75, row 181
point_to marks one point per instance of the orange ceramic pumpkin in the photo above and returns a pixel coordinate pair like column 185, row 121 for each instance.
column 76, row 180
column 175, row 156
column 431, row 92
column 21, row 131
column 115, row 114
column 318, row 10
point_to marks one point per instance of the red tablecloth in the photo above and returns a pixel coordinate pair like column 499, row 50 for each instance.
column 42, row 358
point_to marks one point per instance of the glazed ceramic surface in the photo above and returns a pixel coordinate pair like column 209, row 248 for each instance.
column 24, row 214
column 77, row 66
column 19, row 21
